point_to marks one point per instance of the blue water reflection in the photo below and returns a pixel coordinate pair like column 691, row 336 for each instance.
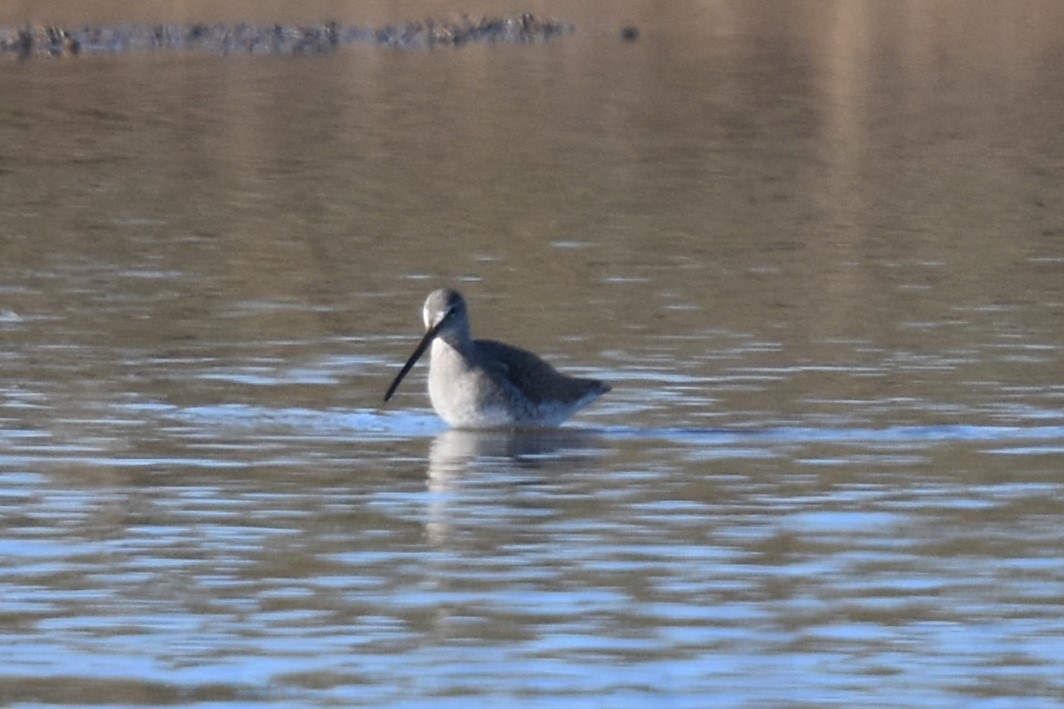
column 547, row 564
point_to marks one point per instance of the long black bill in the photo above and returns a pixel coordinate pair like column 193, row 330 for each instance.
column 418, row 351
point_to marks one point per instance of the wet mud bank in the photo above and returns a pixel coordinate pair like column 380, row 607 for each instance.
column 52, row 41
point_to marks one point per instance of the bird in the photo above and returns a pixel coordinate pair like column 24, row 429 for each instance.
column 478, row 384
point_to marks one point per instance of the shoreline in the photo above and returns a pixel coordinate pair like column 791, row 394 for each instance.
column 56, row 41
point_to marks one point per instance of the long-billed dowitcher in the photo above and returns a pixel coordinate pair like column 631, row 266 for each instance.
column 486, row 384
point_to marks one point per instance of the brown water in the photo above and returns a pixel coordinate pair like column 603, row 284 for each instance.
column 816, row 248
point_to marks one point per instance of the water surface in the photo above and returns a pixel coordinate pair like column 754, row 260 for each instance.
column 816, row 248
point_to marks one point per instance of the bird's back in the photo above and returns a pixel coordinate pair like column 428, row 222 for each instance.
column 534, row 380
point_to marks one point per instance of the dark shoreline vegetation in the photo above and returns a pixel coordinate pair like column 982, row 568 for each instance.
column 53, row 41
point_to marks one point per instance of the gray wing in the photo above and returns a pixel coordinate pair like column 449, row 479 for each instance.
column 536, row 380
